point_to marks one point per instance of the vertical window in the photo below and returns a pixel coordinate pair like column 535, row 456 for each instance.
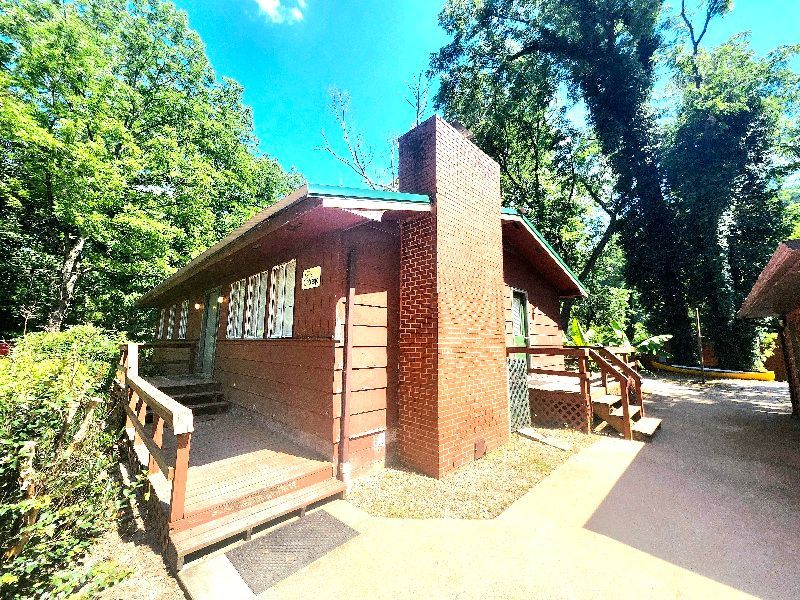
column 183, row 320
column 519, row 318
column 281, row 300
column 236, row 309
column 162, row 315
column 256, row 305
column 171, row 322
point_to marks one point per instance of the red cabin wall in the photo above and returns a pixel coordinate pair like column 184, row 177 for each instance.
column 289, row 381
column 544, row 320
column 373, row 402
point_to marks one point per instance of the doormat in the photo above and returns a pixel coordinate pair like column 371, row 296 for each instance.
column 264, row 561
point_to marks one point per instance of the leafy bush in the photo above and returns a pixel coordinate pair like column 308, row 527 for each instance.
column 57, row 488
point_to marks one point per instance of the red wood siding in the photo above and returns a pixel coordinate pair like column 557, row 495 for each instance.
column 544, row 321
column 291, row 382
column 373, row 408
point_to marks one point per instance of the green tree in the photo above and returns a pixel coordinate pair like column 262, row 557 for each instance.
column 726, row 156
column 123, row 154
column 602, row 53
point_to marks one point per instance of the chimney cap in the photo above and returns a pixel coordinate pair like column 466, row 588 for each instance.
column 463, row 130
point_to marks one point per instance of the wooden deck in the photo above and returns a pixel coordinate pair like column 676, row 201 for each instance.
column 213, row 476
column 240, row 476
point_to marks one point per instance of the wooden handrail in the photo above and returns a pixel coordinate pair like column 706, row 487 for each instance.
column 607, row 369
column 141, row 394
column 634, row 378
column 175, row 415
column 548, row 350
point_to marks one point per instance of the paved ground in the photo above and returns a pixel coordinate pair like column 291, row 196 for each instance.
column 710, row 509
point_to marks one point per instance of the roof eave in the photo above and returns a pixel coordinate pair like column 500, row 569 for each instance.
column 511, row 214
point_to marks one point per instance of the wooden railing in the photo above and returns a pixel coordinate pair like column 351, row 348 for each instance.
column 142, row 395
column 170, row 357
column 612, row 362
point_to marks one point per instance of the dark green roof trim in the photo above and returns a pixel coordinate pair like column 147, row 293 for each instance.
column 367, row 194
column 535, row 232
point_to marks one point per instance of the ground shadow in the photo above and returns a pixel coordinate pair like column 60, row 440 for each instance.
column 718, row 490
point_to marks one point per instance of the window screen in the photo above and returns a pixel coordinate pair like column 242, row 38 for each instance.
column 162, row 315
column 281, row 300
column 255, row 312
column 236, row 309
column 171, row 322
column 184, row 318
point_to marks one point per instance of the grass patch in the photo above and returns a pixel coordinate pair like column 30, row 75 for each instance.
column 480, row 490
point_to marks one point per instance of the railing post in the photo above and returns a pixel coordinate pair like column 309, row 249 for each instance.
column 586, row 389
column 626, row 411
column 140, row 409
column 158, row 438
column 178, row 500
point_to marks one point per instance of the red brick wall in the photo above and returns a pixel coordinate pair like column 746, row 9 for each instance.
column 451, row 282
column 418, row 431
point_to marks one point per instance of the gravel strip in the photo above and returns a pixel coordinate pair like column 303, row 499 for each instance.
column 480, row 490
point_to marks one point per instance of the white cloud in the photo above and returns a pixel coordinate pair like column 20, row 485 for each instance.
column 277, row 12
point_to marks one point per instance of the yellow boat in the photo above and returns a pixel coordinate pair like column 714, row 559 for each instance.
column 713, row 373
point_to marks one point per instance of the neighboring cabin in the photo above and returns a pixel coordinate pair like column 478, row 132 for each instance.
column 442, row 281
column 776, row 293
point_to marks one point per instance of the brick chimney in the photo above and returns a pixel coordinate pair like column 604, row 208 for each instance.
column 453, row 384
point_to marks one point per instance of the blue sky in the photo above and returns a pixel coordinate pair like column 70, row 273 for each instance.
column 288, row 54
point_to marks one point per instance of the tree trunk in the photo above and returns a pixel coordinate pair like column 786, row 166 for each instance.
column 597, row 252
column 66, row 287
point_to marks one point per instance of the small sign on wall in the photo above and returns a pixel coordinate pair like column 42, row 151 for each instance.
column 312, row 278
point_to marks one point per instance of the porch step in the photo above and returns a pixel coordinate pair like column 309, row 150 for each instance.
column 209, row 408
column 192, row 398
column 204, row 535
column 645, row 428
column 200, row 408
column 213, row 495
column 633, row 412
column 608, row 400
column 186, row 385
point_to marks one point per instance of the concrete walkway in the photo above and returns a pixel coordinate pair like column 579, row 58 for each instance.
column 709, row 509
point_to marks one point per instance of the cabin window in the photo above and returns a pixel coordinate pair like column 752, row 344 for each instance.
column 236, row 309
column 256, row 306
column 171, row 322
column 184, row 318
column 161, row 317
column 281, row 300
column 519, row 318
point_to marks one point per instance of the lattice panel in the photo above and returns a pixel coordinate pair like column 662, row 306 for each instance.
column 559, row 410
column 518, row 400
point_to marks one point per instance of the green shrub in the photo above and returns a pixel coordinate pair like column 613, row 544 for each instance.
column 57, row 485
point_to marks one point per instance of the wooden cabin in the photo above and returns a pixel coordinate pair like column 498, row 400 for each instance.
column 341, row 329
column 776, row 293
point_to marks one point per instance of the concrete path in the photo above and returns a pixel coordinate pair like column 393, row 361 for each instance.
column 709, row 509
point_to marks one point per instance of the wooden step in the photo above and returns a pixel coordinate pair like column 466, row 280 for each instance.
column 191, row 398
column 645, row 428
column 210, row 408
column 609, row 400
column 211, row 532
column 209, row 499
column 633, row 412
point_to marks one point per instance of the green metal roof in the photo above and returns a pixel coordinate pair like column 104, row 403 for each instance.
column 535, row 232
column 368, row 194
